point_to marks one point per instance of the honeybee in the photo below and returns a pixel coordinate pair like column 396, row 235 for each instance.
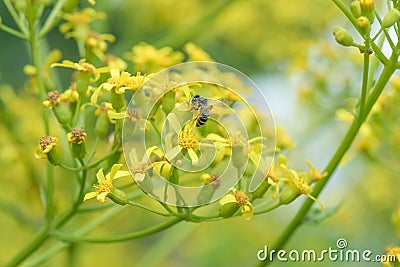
column 201, row 104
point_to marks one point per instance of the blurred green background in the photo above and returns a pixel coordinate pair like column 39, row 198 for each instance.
column 288, row 49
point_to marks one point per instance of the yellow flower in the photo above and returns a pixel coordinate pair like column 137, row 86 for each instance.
column 46, row 150
column 77, row 136
column 80, row 20
column 149, row 59
column 97, row 43
column 195, row 53
column 313, row 173
column 104, row 184
column 119, row 82
column 138, row 167
column 186, row 140
column 106, row 108
column 239, row 198
column 84, row 67
column 392, row 257
column 46, row 144
column 71, row 94
column 297, row 184
column 52, row 99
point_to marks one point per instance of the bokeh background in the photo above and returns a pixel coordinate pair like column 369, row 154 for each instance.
column 310, row 83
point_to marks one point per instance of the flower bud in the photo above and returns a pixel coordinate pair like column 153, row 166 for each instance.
column 342, row 36
column 102, row 125
column 355, row 8
column 228, row 209
column 367, row 9
column 77, row 138
column 288, row 195
column 63, row 114
column 364, row 25
column 118, row 196
column 82, row 83
column 391, row 18
column 168, row 102
column 260, row 191
column 117, row 100
column 47, row 150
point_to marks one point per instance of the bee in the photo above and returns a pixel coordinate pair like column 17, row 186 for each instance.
column 201, row 104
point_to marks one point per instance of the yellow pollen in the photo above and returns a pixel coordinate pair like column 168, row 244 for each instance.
column 104, row 186
column 187, row 140
column 241, row 198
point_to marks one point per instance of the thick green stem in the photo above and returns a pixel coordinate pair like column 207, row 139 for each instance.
column 364, row 86
column 337, row 157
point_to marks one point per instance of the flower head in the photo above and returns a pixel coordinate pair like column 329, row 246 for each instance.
column 52, row 99
column 392, row 257
column 83, row 67
column 76, row 136
column 104, row 186
column 238, row 198
column 149, row 59
column 46, row 149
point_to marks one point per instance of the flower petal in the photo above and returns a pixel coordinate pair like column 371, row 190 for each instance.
column 247, row 211
column 193, row 156
column 229, row 198
column 114, row 169
column 89, row 195
column 122, row 174
column 100, row 176
column 102, row 197
column 174, row 122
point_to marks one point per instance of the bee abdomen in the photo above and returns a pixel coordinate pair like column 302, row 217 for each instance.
column 201, row 120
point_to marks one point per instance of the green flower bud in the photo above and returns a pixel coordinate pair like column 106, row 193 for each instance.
column 54, row 157
column 118, row 196
column 82, row 83
column 355, row 8
column 260, row 191
column 102, row 125
column 391, row 18
column 168, row 102
column 288, row 195
column 228, row 209
column 77, row 138
column 117, row 100
column 364, row 25
column 63, row 114
column 342, row 36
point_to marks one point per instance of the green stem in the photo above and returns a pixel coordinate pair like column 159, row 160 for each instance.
column 15, row 16
column 337, row 157
column 93, row 151
column 41, row 236
column 52, row 19
column 350, row 17
column 116, row 238
column 148, row 209
column 13, row 32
